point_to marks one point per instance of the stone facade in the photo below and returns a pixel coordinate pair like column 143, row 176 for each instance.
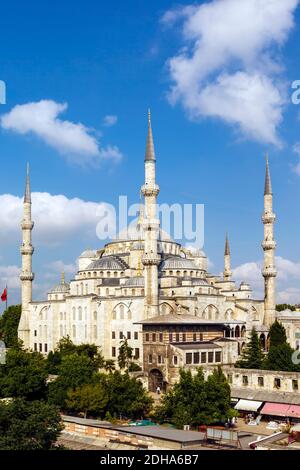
column 141, row 275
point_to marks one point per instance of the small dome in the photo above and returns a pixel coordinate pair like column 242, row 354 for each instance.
column 107, row 262
column 176, row 262
column 62, row 288
column 88, row 254
column 137, row 281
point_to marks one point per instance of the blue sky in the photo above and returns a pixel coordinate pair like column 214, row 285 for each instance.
column 117, row 59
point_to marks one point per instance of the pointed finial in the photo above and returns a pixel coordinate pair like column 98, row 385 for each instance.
column 27, row 196
column 150, row 154
column 268, row 186
column 227, row 249
column 63, row 277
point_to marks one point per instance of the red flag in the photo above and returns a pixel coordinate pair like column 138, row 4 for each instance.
column 4, row 295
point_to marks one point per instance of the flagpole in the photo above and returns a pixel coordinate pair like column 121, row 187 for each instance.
column 6, row 296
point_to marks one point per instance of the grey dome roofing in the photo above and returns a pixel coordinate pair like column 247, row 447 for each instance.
column 137, row 281
column 87, row 254
column 62, row 288
column 107, row 262
column 176, row 262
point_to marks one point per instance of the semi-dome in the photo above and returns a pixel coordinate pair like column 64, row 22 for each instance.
column 137, row 281
column 176, row 262
column 107, row 262
column 88, row 254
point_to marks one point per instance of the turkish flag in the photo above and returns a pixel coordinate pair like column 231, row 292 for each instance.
column 4, row 295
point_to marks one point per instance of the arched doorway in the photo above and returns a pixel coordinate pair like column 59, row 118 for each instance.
column 263, row 341
column 156, row 379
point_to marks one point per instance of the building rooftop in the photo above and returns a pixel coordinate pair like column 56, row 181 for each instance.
column 180, row 319
column 195, row 345
column 263, row 395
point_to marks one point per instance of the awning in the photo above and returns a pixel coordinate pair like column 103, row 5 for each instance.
column 294, row 411
column 275, row 409
column 248, row 405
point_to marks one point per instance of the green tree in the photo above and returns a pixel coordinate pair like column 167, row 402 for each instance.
column 9, row 322
column 277, row 334
column 281, row 307
column 89, row 399
column 218, row 407
column 109, row 365
column 280, row 353
column 23, row 375
column 195, row 401
column 252, row 356
column 28, row 425
column 127, row 396
column 75, row 370
column 66, row 347
column 125, row 354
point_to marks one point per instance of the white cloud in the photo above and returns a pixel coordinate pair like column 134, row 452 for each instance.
column 227, row 67
column 59, row 266
column 288, row 273
column 73, row 140
column 111, row 153
column 56, row 218
column 110, row 120
column 296, row 149
column 291, row 295
column 9, row 276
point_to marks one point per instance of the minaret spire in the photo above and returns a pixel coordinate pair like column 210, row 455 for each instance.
column 269, row 245
column 151, row 258
column 150, row 153
column 27, row 195
column 227, row 272
column 27, row 275
column 268, row 185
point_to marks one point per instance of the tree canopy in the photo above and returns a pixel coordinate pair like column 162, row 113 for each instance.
column 24, row 375
column 9, row 322
column 28, row 425
column 252, row 356
column 195, row 401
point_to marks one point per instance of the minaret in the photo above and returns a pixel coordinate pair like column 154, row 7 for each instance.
column 227, row 272
column 269, row 270
column 27, row 275
column 151, row 258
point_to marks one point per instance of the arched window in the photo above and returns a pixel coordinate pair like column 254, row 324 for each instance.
column 114, row 315
column 121, row 310
column 85, row 313
column 74, row 313
column 133, row 291
column 95, row 316
column 115, row 274
column 95, row 331
column 81, row 288
column 86, row 289
column 65, row 315
column 61, row 316
column 79, row 313
column 85, row 331
column 74, row 331
column 211, row 312
column 106, row 291
column 61, row 330
column 129, row 315
column 108, row 273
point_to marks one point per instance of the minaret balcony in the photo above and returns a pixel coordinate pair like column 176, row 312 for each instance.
column 268, row 218
column 27, row 276
column 150, row 189
column 151, row 260
column 27, row 225
column 269, row 272
column 268, row 245
column 26, row 250
column 151, row 224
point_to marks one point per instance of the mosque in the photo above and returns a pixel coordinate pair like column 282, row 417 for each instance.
column 147, row 288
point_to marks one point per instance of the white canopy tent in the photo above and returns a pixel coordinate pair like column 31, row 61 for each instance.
column 248, row 405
